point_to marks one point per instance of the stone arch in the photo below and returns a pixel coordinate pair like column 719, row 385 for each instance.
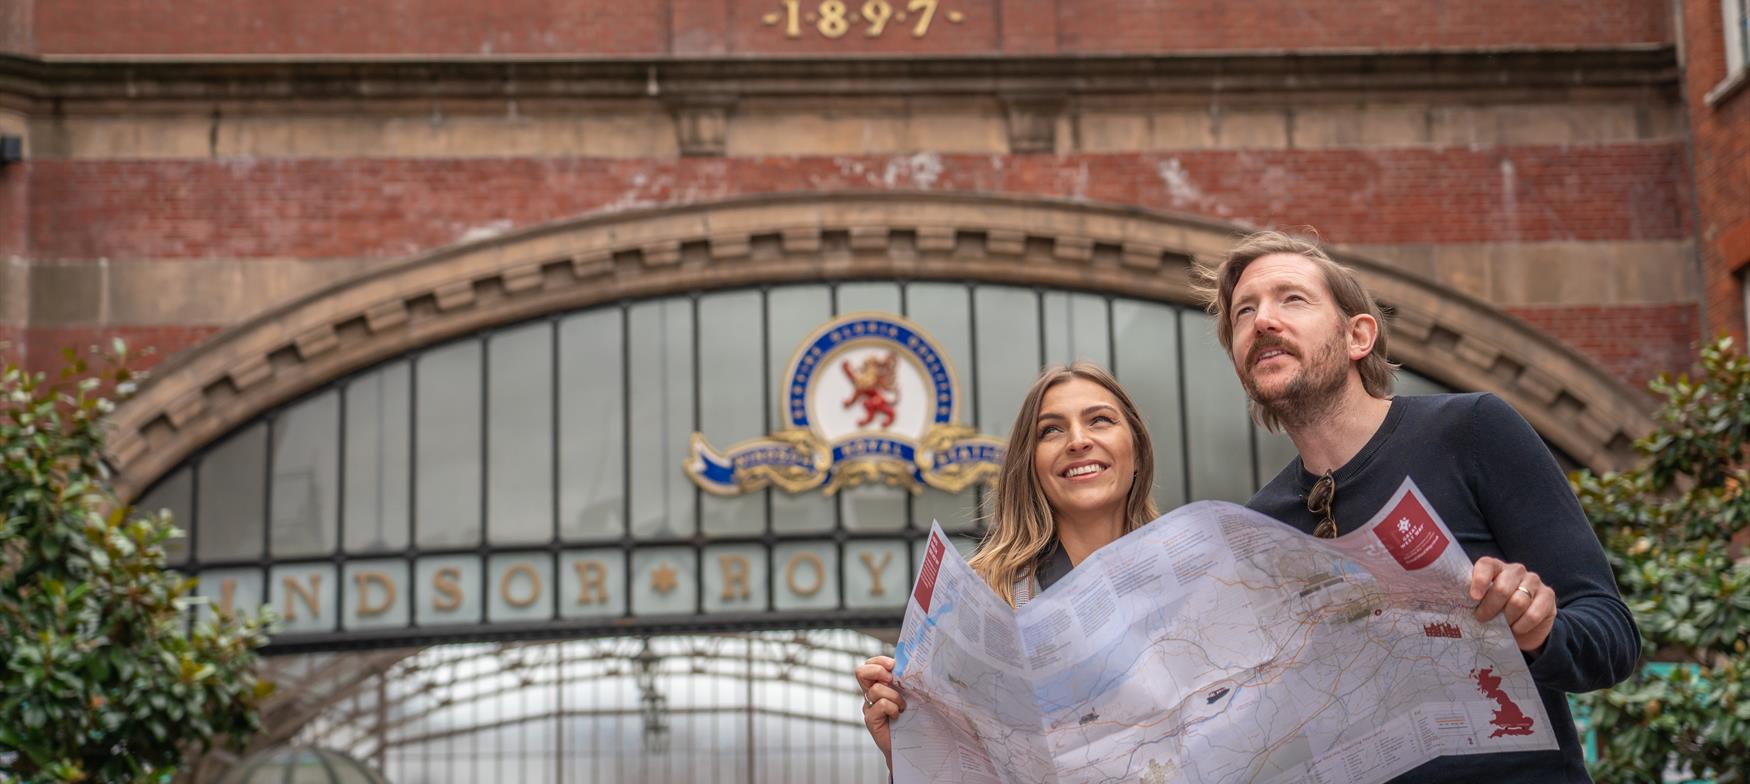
column 286, row 352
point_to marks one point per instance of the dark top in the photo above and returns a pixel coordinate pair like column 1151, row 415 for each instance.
column 1055, row 566
column 1495, row 484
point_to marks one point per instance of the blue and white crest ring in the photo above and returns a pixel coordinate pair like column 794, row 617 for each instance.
column 868, row 397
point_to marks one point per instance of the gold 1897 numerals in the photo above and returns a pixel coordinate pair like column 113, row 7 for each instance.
column 832, row 18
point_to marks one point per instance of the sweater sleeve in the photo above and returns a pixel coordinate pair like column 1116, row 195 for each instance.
column 1535, row 517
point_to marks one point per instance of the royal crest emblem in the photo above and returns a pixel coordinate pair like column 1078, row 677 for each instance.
column 869, row 397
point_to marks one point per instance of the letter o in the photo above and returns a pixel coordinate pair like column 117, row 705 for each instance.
column 819, row 573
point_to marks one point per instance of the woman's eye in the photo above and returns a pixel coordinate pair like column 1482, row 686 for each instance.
column 1048, row 430
column 1106, row 419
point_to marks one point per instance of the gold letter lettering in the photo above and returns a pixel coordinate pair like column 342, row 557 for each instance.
column 819, row 573
column 594, row 578
column 309, row 594
column 365, row 579
column 735, row 569
column 874, row 568
column 534, row 583
column 444, row 580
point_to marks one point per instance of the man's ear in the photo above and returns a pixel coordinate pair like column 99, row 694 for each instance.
column 1363, row 333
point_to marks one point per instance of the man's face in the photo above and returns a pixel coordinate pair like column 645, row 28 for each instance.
column 1288, row 334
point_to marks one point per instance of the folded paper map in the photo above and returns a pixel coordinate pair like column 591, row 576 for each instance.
column 1214, row 645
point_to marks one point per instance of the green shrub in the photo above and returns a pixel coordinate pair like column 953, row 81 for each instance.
column 103, row 679
column 1669, row 527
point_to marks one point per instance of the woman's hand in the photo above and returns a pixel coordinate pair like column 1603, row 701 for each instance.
column 881, row 702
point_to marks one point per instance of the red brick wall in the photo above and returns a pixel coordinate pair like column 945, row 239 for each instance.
column 1722, row 167
column 1632, row 342
column 17, row 27
column 398, row 207
column 43, row 347
column 693, row 27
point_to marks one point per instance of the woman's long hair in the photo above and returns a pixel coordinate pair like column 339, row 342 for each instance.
column 1021, row 524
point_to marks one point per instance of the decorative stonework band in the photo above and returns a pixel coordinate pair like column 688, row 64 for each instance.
column 200, row 396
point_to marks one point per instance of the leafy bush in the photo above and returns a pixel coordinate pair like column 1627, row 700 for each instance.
column 103, row 679
column 1669, row 527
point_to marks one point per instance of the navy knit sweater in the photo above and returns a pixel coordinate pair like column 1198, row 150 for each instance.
column 1498, row 488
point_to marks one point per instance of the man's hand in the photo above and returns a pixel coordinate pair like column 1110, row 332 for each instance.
column 881, row 702
column 1497, row 586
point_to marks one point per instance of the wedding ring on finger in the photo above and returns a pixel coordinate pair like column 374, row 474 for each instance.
column 1522, row 590
column 868, row 701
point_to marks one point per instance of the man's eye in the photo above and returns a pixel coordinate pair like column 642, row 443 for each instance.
column 1243, row 310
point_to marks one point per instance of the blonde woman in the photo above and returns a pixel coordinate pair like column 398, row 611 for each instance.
column 1077, row 476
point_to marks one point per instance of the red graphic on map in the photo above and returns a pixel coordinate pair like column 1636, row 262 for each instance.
column 927, row 575
column 1410, row 534
column 1508, row 719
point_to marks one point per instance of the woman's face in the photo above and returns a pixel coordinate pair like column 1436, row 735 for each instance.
column 1085, row 457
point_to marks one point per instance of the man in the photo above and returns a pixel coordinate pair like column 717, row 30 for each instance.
column 1309, row 343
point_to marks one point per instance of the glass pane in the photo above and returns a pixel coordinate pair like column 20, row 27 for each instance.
column 229, row 506
column 873, row 508
column 806, row 576
column 735, row 578
column 1147, row 338
column 792, row 314
column 305, row 470
column 520, row 587
column 447, row 461
column 1008, row 354
column 1075, row 329
column 662, row 417
column 176, row 494
column 592, row 426
column 447, row 590
column 732, row 401
column 944, row 310
column 664, row 580
column 377, row 440
column 957, row 512
column 375, row 594
column 881, row 297
column 875, row 574
column 519, row 439
column 1218, row 426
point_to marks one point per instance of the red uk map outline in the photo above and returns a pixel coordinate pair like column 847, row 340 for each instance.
column 1508, row 718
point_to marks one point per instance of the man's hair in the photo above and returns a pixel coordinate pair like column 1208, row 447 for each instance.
column 1217, row 284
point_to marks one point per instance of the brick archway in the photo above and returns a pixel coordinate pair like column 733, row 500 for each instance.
column 293, row 349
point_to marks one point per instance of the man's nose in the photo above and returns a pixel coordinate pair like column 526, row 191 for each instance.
column 1266, row 319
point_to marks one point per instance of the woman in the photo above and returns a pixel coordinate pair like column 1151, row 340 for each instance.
column 1077, row 475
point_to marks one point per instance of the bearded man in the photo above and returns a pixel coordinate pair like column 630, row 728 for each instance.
column 1309, row 345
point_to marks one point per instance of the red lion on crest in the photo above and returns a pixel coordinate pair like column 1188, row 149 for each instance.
column 876, row 383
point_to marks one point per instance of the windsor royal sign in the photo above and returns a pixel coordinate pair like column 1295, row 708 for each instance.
column 869, row 397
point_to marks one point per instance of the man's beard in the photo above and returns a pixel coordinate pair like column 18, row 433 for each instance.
column 1313, row 392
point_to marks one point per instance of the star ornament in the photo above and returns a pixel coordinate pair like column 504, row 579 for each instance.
column 662, row 579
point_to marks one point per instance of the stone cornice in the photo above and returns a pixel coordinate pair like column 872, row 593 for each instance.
column 294, row 349
column 137, row 78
